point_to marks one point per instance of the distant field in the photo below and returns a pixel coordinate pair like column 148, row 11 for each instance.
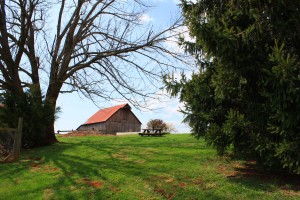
column 134, row 167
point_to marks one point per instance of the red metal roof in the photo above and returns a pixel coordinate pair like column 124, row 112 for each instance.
column 104, row 114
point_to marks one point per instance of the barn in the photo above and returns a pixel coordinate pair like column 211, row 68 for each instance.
column 114, row 119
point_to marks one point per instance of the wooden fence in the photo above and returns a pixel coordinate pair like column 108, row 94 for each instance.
column 14, row 156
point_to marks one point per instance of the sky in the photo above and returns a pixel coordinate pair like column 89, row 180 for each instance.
column 75, row 109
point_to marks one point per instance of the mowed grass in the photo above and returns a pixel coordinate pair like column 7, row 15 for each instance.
column 134, row 167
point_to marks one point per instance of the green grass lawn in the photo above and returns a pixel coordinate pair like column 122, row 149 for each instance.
column 134, row 167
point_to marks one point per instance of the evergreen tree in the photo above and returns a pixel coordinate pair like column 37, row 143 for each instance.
column 247, row 91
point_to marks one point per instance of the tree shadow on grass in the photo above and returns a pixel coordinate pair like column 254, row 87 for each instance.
column 82, row 162
column 69, row 168
column 251, row 175
column 128, row 159
column 106, row 156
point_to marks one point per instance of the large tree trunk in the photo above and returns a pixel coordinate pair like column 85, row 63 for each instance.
column 51, row 99
column 50, row 135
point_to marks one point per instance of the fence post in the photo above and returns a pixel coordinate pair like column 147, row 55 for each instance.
column 17, row 143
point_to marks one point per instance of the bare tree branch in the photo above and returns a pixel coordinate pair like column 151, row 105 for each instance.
column 97, row 47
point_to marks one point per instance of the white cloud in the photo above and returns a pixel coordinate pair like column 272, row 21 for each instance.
column 173, row 39
column 145, row 18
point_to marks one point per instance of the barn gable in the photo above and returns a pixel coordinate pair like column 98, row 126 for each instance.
column 118, row 118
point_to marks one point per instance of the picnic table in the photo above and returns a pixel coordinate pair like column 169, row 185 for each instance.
column 152, row 132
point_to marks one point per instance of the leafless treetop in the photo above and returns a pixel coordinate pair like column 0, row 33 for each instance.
column 99, row 48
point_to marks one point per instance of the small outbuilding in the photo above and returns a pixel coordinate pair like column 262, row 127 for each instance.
column 114, row 119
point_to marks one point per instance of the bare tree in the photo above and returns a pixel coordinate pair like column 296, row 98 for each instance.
column 171, row 128
column 99, row 48
column 157, row 123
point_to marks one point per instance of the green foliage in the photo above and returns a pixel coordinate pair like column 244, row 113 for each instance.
column 239, row 132
column 246, row 94
column 284, row 102
column 36, row 117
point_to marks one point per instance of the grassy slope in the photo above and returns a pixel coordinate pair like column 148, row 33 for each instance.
column 132, row 167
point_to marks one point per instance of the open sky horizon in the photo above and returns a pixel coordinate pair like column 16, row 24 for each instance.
column 76, row 109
